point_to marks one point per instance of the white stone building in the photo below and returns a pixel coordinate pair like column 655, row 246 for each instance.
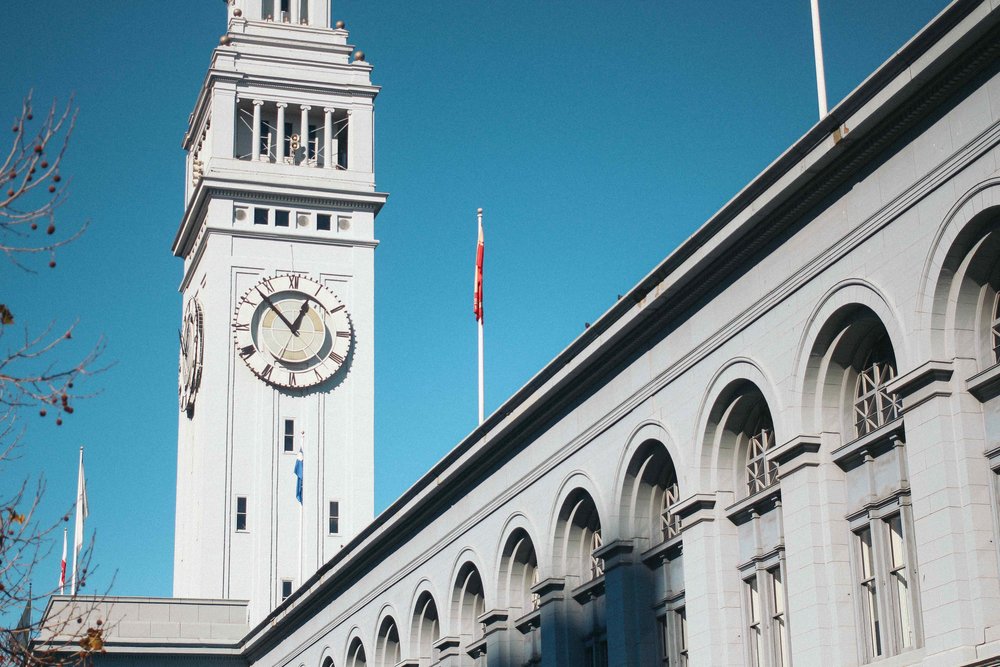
column 781, row 447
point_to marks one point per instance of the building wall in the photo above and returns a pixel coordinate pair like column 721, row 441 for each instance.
column 904, row 249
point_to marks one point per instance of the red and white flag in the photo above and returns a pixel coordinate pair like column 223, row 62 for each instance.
column 62, row 568
column 477, row 296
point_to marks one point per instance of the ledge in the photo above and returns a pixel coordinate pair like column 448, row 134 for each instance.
column 993, row 456
column 985, row 385
column 928, row 380
column 549, row 590
column 530, row 621
column 477, row 649
column 759, row 503
column 877, row 442
column 664, row 551
column 590, row 590
column 495, row 620
column 447, row 647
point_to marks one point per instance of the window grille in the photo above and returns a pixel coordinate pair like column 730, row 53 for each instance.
column 761, row 472
column 596, row 564
column 995, row 328
column 670, row 525
column 874, row 406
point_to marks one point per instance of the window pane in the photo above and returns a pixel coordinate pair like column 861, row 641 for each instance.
column 260, row 216
column 281, row 218
column 869, row 596
column 323, row 222
column 897, row 557
column 334, row 517
column 753, row 613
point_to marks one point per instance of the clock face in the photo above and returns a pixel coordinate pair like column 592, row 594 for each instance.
column 192, row 352
column 292, row 331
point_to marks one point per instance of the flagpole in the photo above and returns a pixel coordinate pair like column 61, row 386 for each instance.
column 479, row 215
column 818, row 52
column 78, row 527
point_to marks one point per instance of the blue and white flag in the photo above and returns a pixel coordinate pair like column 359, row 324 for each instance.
column 298, row 476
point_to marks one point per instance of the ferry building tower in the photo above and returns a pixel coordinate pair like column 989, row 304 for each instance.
column 276, row 363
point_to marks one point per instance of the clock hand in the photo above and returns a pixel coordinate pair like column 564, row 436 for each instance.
column 275, row 309
column 298, row 320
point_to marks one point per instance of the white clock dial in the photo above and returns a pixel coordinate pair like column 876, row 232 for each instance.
column 292, row 331
column 192, row 353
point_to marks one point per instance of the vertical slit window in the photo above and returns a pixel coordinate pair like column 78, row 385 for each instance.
column 995, row 328
column 596, row 564
column 334, row 517
column 682, row 635
column 286, row 589
column 241, row 512
column 779, row 626
column 670, row 524
column 288, row 436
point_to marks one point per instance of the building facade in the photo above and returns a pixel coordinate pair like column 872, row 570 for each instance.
column 782, row 447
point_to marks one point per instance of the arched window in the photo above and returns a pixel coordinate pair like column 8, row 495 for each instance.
column 387, row 651
column 425, row 630
column 469, row 603
column 648, row 493
column 874, row 406
column 519, row 572
column 356, row 654
column 578, row 535
column 762, row 472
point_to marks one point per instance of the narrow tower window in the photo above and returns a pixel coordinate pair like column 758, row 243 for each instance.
column 241, row 513
column 334, row 517
column 281, row 218
column 288, row 437
column 323, row 222
column 260, row 216
column 286, row 589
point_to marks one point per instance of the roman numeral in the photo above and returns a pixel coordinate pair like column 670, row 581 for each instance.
column 266, row 373
column 293, row 280
column 336, row 358
column 266, row 282
column 319, row 288
column 291, row 379
column 340, row 307
column 247, row 351
column 319, row 376
column 343, row 334
column 239, row 326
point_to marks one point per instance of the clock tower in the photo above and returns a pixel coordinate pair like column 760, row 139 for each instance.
column 275, row 445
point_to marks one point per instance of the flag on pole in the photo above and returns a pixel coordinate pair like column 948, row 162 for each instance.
column 298, row 476
column 477, row 296
column 81, row 515
column 62, row 567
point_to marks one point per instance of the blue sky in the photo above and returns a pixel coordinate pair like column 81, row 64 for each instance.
column 596, row 138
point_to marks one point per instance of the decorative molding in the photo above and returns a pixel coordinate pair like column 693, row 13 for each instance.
column 530, row 621
column 589, row 591
column 447, row 647
column 494, row 620
column 663, row 552
column 549, row 590
column 985, row 385
column 876, row 443
column 802, row 451
column 476, row 649
column 694, row 509
column 758, row 504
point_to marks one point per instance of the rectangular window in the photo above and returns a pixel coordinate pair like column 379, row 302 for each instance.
column 869, row 593
column 312, row 144
column 260, row 216
column 779, row 628
column 288, row 436
column 241, row 513
column 323, row 222
column 334, row 517
column 899, row 588
column 682, row 635
column 286, row 589
column 756, row 639
column 280, row 218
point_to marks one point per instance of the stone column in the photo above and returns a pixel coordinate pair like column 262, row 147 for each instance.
column 329, row 159
column 279, row 150
column 819, row 582
column 560, row 645
column 256, row 129
column 628, row 603
column 496, row 630
column 712, row 585
column 304, row 133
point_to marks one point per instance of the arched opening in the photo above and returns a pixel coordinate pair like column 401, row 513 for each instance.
column 742, row 431
column 425, row 630
column 327, row 662
column 519, row 573
column 578, row 535
column 356, row 654
column 468, row 603
column 650, row 489
column 387, row 651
